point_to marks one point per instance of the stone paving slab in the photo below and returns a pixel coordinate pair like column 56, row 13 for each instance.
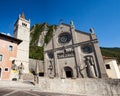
column 4, row 91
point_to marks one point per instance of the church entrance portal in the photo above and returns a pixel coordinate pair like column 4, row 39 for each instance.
column 68, row 72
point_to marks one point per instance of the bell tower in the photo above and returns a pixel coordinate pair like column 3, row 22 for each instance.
column 22, row 32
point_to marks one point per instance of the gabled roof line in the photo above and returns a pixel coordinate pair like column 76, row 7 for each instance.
column 10, row 38
column 76, row 29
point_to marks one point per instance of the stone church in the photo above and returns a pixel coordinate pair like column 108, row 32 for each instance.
column 73, row 53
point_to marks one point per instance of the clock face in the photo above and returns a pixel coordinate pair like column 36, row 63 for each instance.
column 64, row 38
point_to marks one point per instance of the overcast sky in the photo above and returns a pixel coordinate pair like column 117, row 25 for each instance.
column 103, row 15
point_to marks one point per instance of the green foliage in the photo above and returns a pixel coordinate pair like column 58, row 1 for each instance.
column 14, row 79
column 36, row 30
column 49, row 34
column 111, row 52
column 36, row 52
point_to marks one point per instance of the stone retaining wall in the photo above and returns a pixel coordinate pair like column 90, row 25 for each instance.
column 82, row 87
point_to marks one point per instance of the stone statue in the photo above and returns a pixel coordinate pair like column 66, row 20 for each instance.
column 20, row 70
column 14, row 66
column 71, row 22
column 51, row 74
column 90, row 67
column 92, row 30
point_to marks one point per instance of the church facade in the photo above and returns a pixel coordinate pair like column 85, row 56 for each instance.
column 72, row 53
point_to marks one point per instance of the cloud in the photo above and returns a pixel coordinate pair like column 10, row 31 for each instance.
column 6, row 33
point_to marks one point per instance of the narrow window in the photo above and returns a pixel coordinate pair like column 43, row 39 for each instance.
column 10, row 48
column 1, row 57
column 6, row 69
column 107, row 66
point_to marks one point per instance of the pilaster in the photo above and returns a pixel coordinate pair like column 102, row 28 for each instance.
column 76, row 50
column 99, row 59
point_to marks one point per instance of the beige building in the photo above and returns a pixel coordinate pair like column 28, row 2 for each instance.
column 73, row 53
column 8, row 52
column 112, row 68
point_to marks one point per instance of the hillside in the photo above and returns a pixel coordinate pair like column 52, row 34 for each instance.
column 36, row 52
column 111, row 52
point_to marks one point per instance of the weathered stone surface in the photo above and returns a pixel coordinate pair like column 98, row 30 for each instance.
column 87, row 87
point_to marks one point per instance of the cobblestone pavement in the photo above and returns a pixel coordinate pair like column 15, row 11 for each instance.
column 13, row 92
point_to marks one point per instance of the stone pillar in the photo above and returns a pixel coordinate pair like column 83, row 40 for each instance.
column 63, row 76
column 76, row 50
column 45, row 65
column 56, row 66
column 98, row 56
column 36, row 76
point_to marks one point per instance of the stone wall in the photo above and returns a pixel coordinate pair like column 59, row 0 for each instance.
column 32, row 65
column 82, row 87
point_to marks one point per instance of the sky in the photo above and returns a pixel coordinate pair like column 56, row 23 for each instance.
column 102, row 15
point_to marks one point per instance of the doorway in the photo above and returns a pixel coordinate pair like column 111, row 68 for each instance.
column 68, row 72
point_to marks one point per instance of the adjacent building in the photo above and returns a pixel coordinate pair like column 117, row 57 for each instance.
column 8, row 52
column 112, row 68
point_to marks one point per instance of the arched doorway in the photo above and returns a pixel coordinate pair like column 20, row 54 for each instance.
column 68, row 72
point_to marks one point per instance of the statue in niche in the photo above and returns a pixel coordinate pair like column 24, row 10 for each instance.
column 90, row 68
column 20, row 70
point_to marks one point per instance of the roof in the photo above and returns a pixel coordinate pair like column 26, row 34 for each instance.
column 22, row 15
column 104, row 57
column 5, row 37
